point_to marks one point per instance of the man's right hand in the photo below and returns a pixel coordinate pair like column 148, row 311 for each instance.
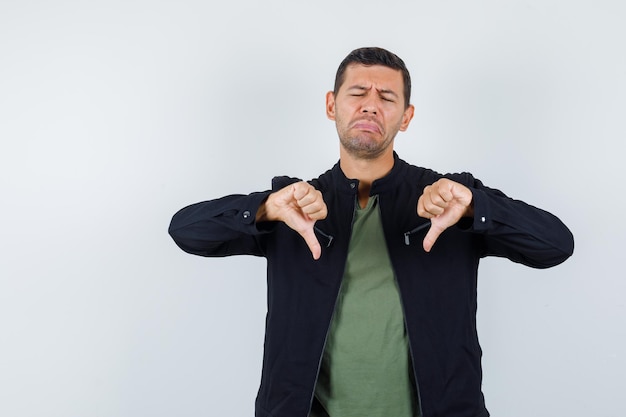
column 299, row 206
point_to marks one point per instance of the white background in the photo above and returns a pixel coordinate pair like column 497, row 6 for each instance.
column 115, row 114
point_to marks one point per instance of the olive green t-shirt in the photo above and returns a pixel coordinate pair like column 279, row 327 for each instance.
column 366, row 370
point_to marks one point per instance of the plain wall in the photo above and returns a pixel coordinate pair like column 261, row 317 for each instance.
column 115, row 114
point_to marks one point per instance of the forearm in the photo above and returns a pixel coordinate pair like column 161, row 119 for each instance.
column 219, row 227
column 519, row 231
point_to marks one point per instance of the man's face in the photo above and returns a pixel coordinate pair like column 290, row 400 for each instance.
column 368, row 110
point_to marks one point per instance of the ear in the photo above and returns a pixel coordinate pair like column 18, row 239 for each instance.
column 330, row 105
column 407, row 117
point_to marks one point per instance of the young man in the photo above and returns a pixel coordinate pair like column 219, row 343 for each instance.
column 372, row 267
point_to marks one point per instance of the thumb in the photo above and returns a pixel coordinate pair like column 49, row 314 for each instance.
column 431, row 237
column 311, row 240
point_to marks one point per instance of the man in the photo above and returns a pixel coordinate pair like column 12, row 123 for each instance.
column 372, row 267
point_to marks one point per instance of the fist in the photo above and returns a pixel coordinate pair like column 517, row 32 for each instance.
column 444, row 202
column 299, row 206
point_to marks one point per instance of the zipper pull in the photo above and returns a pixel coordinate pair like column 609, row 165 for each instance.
column 328, row 237
column 407, row 240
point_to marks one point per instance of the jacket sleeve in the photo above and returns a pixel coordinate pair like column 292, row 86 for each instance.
column 221, row 227
column 517, row 230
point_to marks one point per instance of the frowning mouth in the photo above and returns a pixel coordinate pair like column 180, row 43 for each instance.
column 367, row 126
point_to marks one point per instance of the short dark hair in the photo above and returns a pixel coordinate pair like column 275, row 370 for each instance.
column 375, row 56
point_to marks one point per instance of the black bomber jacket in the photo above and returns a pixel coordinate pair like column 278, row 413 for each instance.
column 438, row 289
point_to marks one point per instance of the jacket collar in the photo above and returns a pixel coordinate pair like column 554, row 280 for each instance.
column 388, row 182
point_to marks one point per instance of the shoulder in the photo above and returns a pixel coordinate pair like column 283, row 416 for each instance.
column 426, row 176
column 324, row 181
column 281, row 181
column 464, row 178
column 418, row 175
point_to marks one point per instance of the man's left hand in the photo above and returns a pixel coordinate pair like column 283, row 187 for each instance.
column 444, row 202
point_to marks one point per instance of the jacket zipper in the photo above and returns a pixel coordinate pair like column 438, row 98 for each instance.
column 319, row 362
column 413, row 364
column 407, row 242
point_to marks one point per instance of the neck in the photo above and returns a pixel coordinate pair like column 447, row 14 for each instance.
column 365, row 170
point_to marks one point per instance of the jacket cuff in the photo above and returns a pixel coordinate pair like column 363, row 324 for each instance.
column 246, row 214
column 483, row 219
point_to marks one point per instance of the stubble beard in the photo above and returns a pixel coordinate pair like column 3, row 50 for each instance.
column 363, row 148
column 363, row 145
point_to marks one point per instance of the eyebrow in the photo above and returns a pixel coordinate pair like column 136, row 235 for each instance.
column 363, row 88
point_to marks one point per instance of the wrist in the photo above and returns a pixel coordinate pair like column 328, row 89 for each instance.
column 264, row 212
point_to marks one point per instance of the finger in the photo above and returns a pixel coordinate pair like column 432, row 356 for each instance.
column 312, row 242
column 301, row 190
column 430, row 202
column 316, row 214
column 439, row 197
column 427, row 209
column 311, row 201
column 432, row 208
column 314, row 206
column 421, row 210
column 446, row 196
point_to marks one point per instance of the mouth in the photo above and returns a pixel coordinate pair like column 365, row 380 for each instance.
column 367, row 126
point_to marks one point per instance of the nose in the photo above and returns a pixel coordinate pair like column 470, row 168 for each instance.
column 369, row 105
column 368, row 111
column 369, row 108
